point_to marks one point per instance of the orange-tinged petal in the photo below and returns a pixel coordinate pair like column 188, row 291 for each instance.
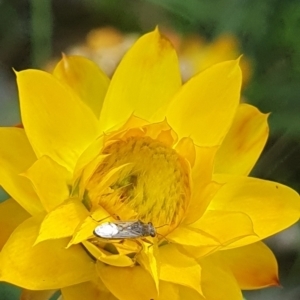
column 49, row 180
column 108, row 258
column 36, row 295
column 145, row 80
column 51, row 131
column 271, row 206
column 11, row 215
column 131, row 283
column 62, row 221
column 47, row 265
column 244, row 142
column 16, row 156
column 86, row 79
column 222, row 226
column 204, row 107
column 254, row 266
column 172, row 264
column 217, row 282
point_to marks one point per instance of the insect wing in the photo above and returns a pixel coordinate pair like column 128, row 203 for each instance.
column 129, row 229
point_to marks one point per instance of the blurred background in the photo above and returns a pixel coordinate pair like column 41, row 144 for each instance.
column 35, row 33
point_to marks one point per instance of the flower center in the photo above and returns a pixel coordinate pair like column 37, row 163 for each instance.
column 153, row 186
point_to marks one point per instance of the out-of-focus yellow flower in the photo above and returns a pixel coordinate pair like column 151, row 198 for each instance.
column 145, row 147
column 196, row 54
column 106, row 46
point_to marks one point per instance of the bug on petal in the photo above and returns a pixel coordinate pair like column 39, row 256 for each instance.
column 124, row 230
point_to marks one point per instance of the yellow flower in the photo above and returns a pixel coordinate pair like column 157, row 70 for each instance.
column 139, row 147
column 196, row 54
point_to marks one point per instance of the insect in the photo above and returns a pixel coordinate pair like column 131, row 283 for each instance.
column 124, row 230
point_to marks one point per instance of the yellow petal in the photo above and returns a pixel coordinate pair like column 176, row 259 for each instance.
column 47, row 265
column 186, row 148
column 243, row 143
column 168, row 291
column 87, row 156
column 147, row 258
column 11, row 215
column 190, row 294
column 172, row 264
column 36, row 295
column 85, row 229
column 16, row 156
column 84, row 175
column 50, row 181
column 226, row 227
column 62, row 221
column 86, row 290
column 204, row 107
column 258, row 261
column 271, row 206
column 218, row 282
column 189, row 236
column 86, row 79
column 203, row 189
column 108, row 258
column 145, row 80
column 131, row 283
column 58, row 124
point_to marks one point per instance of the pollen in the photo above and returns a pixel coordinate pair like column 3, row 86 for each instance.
column 153, row 186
